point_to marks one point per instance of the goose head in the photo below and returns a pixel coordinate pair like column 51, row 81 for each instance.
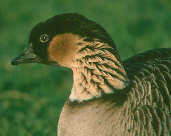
column 73, row 41
column 58, row 40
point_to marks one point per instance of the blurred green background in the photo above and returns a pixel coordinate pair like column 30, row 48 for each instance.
column 31, row 96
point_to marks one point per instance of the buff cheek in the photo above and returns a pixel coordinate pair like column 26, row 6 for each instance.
column 62, row 49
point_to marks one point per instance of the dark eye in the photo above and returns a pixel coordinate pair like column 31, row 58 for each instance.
column 44, row 38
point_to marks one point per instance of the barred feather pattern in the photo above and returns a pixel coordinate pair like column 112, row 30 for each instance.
column 143, row 108
column 96, row 71
column 147, row 111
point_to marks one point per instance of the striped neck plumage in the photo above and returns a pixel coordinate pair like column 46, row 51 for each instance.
column 97, row 70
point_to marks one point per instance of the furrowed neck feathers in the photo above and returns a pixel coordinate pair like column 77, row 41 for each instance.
column 96, row 71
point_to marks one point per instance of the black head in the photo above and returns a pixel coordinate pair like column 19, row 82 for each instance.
column 43, row 33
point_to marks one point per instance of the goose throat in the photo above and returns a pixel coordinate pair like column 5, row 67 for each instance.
column 97, row 71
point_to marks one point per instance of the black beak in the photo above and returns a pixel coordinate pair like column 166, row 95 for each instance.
column 28, row 56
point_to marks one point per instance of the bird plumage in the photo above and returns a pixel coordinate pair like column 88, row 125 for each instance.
column 109, row 97
column 149, row 97
column 144, row 110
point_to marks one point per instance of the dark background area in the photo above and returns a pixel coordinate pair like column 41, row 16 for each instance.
column 31, row 96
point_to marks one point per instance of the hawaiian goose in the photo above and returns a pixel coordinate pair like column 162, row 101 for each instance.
column 109, row 97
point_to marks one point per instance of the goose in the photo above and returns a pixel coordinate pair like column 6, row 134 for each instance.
column 109, row 97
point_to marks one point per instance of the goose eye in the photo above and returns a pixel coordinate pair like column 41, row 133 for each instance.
column 44, row 38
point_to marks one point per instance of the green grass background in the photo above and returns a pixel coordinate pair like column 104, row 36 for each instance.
column 31, row 96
